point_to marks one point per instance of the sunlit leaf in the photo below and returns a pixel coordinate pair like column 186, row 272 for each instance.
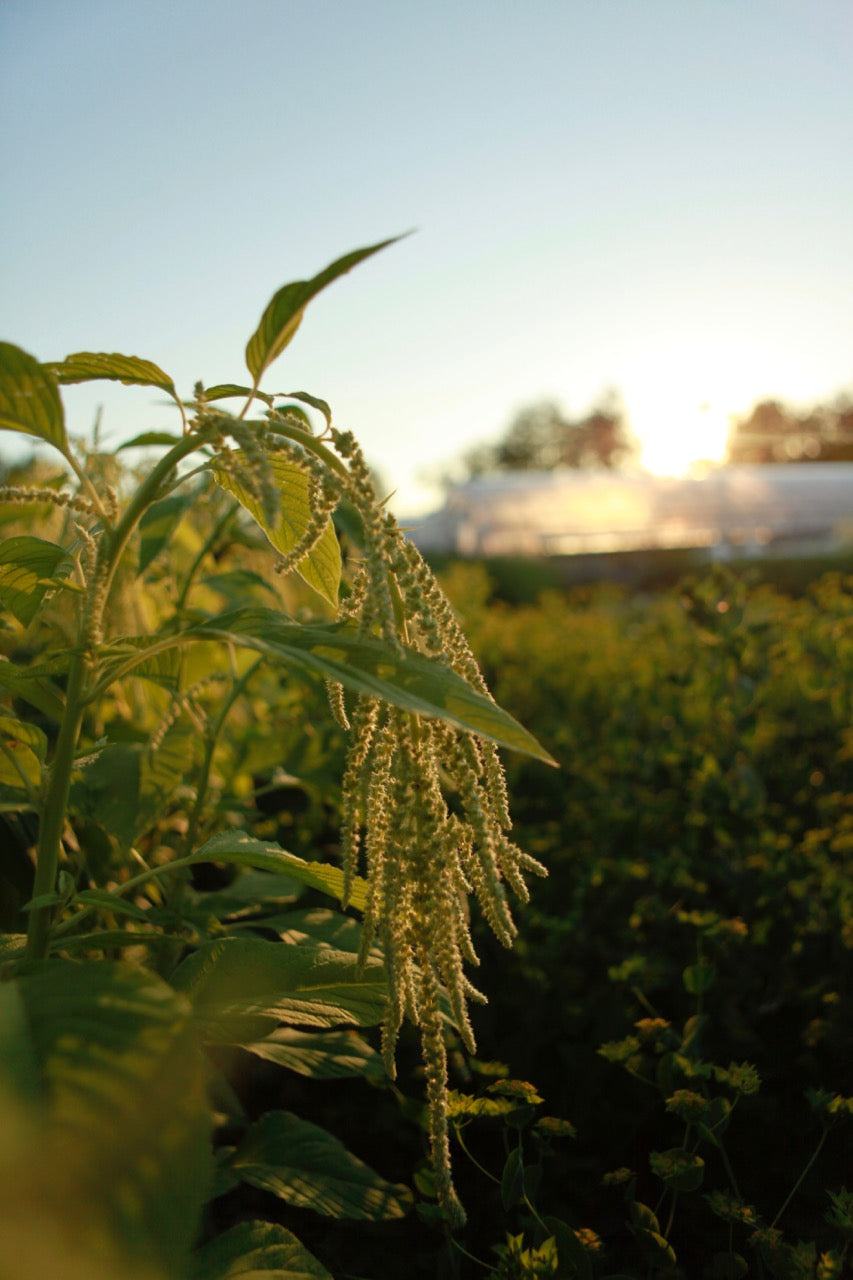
column 26, row 566
column 239, row 848
column 242, row 987
column 306, row 1166
column 29, row 397
column 283, row 314
column 253, row 1250
column 95, row 366
column 404, row 678
column 325, row 1055
column 230, row 390
column 315, row 402
column 321, row 568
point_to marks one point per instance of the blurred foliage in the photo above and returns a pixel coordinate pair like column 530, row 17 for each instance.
column 775, row 432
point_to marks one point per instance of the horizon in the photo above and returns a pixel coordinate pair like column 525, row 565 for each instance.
column 652, row 201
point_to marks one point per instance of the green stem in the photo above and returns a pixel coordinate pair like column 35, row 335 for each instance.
column 54, row 810
column 209, row 750
column 799, row 1181
column 457, row 1133
column 148, row 492
column 207, row 546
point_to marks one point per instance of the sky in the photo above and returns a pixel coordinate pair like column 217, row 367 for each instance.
column 651, row 196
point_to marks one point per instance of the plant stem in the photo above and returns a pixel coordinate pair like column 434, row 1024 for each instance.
column 797, row 1184
column 54, row 808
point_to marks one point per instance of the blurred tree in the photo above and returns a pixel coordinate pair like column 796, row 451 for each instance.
column 541, row 437
column 773, row 432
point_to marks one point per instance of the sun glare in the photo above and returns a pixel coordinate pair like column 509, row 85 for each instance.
column 681, row 415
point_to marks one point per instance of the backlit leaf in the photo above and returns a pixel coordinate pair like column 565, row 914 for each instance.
column 283, row 314
column 325, row 1055
column 321, row 568
column 26, row 566
column 29, row 397
column 229, row 390
column 315, row 402
column 239, row 848
column 95, row 366
column 241, row 987
column 406, row 679
column 306, row 1166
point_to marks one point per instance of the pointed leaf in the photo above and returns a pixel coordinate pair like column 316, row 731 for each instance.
column 321, row 568
column 107, row 1038
column 35, row 689
column 29, row 397
column 283, row 314
column 315, row 403
column 241, row 987
column 305, row 1166
column 26, row 566
column 406, row 679
column 149, row 438
column 95, row 366
column 254, row 1250
column 231, row 390
column 325, row 1055
column 241, row 849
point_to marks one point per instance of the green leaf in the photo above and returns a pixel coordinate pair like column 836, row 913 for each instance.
column 155, row 527
column 230, row 390
column 23, row 748
column 38, row 691
column 27, row 566
column 252, row 1250
column 120, row 1136
column 307, row 1167
column 283, row 314
column 237, row 847
column 95, row 366
column 149, row 438
column 29, row 397
column 321, row 568
column 404, row 678
column 241, row 987
column 325, row 1055
column 314, row 401
column 699, row 978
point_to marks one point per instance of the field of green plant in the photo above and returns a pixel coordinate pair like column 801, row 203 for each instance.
column 257, row 843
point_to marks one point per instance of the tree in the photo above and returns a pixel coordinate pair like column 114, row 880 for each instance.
column 774, row 432
column 541, row 437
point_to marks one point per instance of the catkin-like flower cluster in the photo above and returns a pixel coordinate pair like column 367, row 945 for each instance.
column 425, row 813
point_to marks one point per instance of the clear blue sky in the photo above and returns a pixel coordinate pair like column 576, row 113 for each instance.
column 652, row 195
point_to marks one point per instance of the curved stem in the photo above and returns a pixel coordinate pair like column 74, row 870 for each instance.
column 54, row 809
column 207, row 546
column 209, row 750
column 799, row 1181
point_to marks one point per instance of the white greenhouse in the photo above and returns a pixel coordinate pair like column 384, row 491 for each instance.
column 793, row 508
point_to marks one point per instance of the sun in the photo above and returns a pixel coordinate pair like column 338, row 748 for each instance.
column 679, row 434
column 681, row 410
